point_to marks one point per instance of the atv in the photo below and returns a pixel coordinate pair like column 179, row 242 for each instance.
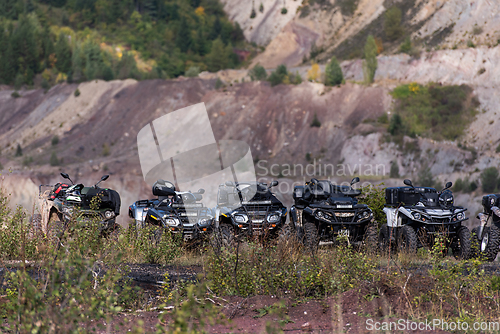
column 417, row 216
column 62, row 202
column 248, row 210
column 327, row 212
column 487, row 236
column 181, row 213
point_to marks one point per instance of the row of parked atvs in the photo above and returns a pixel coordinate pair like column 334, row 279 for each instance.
column 322, row 211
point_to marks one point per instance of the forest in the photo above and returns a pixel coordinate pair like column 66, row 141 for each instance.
column 49, row 41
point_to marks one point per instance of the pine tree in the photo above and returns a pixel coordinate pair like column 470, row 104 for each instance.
column 218, row 57
column 47, row 47
column 216, row 29
column 184, row 40
column 63, row 54
column 370, row 63
column 24, row 49
column 200, row 43
column 333, row 73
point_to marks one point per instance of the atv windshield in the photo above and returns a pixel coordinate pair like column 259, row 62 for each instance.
column 244, row 194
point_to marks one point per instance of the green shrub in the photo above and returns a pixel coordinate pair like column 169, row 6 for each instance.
column 396, row 125
column 394, row 173
column 406, row 46
column 253, row 13
column 459, row 185
column 15, row 94
column 19, row 151
column 370, row 62
column 284, row 11
column 55, row 140
column 425, row 178
column 258, row 73
column 374, row 197
column 45, row 84
column 333, row 73
column 435, row 111
column 54, row 161
column 193, row 71
column 315, row 122
column 489, row 179
column 219, row 84
column 105, row 150
column 497, row 150
column 392, row 23
column 278, row 76
column 347, row 7
column 77, row 92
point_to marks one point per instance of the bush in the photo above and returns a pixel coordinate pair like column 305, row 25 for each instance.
column 498, row 149
column 19, row 151
column 315, row 122
column 489, row 179
column 333, row 73
column 284, row 11
column 394, row 173
column 314, row 73
column 54, row 161
column 370, row 63
column 77, row 92
column 406, row 46
column 392, row 23
column 435, row 111
column 425, row 178
column 15, row 95
column 193, row 71
column 258, row 73
column 55, row 140
column 459, row 185
column 278, row 76
column 218, row 83
column 396, row 125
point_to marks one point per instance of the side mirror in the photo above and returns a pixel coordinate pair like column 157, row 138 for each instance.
column 314, row 181
column 229, row 184
column 104, row 177
column 64, row 175
column 201, row 191
column 408, row 182
column 448, row 185
column 273, row 184
column 355, row 180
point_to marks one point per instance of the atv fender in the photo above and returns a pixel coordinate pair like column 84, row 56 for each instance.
column 296, row 219
column 483, row 220
column 392, row 217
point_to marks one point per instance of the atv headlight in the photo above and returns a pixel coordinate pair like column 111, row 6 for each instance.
column 461, row 216
column 171, row 221
column 205, row 222
column 364, row 215
column 273, row 218
column 417, row 216
column 240, row 218
column 109, row 214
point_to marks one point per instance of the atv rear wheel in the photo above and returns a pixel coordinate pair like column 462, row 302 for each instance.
column 311, row 240
column 488, row 247
column 55, row 228
column 370, row 237
column 461, row 246
column 407, row 240
column 384, row 239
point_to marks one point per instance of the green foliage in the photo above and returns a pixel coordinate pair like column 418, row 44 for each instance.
column 459, row 185
column 54, row 161
column 435, row 111
column 253, row 13
column 278, row 76
column 193, row 71
column 333, row 73
column 284, row 11
column 15, row 94
column 19, row 151
column 370, row 62
column 283, row 269
column 77, row 92
column 258, row 73
column 154, row 245
column 55, row 140
column 219, row 57
column 374, row 197
column 489, row 179
column 168, row 33
column 105, row 150
column 218, row 83
column 347, row 7
column 392, row 23
column 497, row 150
column 406, row 46
column 396, row 125
column 261, row 8
column 315, row 122
column 63, row 54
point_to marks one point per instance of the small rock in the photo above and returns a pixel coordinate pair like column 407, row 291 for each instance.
column 306, row 326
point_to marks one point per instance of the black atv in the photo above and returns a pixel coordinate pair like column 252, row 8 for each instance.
column 178, row 212
column 416, row 215
column 249, row 209
column 324, row 211
column 487, row 234
column 64, row 202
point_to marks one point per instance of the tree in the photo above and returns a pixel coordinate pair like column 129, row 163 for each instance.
column 258, row 73
column 63, row 54
column 184, row 40
column 24, row 49
column 489, row 179
column 279, row 75
column 370, row 63
column 392, row 23
column 333, row 73
column 19, row 151
column 314, row 73
column 219, row 56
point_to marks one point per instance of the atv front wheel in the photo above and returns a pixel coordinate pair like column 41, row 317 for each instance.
column 226, row 235
column 407, row 240
column 55, row 228
column 384, row 239
column 461, row 246
column 488, row 247
column 311, row 240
